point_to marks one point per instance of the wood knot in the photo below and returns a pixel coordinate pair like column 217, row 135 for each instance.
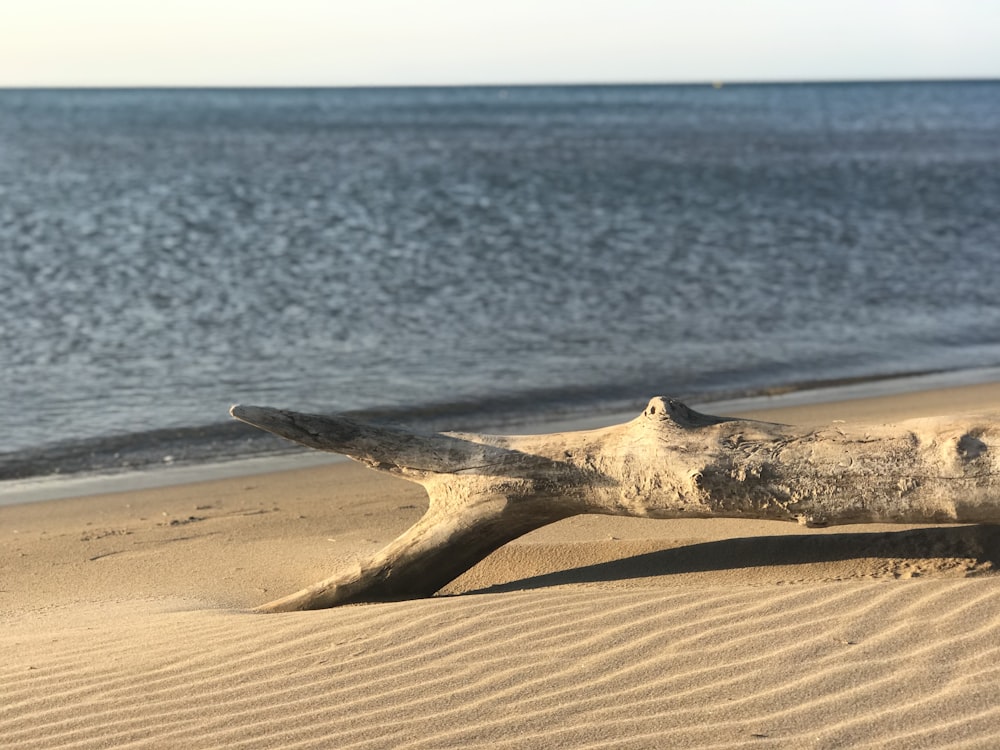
column 970, row 447
column 672, row 410
column 669, row 409
column 657, row 407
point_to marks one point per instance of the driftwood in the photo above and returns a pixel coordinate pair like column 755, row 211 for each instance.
column 669, row 462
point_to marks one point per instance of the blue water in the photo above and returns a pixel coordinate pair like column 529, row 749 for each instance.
column 473, row 253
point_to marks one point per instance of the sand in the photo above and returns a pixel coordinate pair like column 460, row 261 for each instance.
column 125, row 623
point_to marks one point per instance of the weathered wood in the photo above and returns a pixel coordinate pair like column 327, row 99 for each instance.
column 669, row 462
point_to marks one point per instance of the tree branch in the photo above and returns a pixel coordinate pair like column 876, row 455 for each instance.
column 669, row 462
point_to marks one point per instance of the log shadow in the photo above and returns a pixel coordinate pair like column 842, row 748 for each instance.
column 978, row 543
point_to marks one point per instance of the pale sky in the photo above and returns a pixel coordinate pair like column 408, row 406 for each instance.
column 428, row 42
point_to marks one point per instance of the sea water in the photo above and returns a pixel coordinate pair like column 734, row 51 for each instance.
column 466, row 256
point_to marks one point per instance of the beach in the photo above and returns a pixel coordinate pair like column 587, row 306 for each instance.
column 127, row 623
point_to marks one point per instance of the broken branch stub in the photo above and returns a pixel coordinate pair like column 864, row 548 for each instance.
column 669, row 462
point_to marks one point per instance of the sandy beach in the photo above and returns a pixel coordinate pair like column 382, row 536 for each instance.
column 126, row 624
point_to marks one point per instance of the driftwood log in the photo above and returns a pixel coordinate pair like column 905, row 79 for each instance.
column 669, row 462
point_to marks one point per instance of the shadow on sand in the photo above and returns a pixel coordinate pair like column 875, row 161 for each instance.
column 977, row 543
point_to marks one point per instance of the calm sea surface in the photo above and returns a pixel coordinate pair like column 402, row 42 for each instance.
column 475, row 254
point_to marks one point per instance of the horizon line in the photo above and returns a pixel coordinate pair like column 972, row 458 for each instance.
column 715, row 83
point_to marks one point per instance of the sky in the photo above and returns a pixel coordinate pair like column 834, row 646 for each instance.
column 449, row 42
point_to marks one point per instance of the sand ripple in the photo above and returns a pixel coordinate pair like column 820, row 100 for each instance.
column 889, row 664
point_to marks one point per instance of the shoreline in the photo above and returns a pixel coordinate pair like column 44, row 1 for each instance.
column 713, row 632
column 793, row 404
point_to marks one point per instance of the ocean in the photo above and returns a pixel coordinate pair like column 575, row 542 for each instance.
column 451, row 258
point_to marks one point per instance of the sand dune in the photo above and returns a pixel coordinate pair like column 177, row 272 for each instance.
column 125, row 624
